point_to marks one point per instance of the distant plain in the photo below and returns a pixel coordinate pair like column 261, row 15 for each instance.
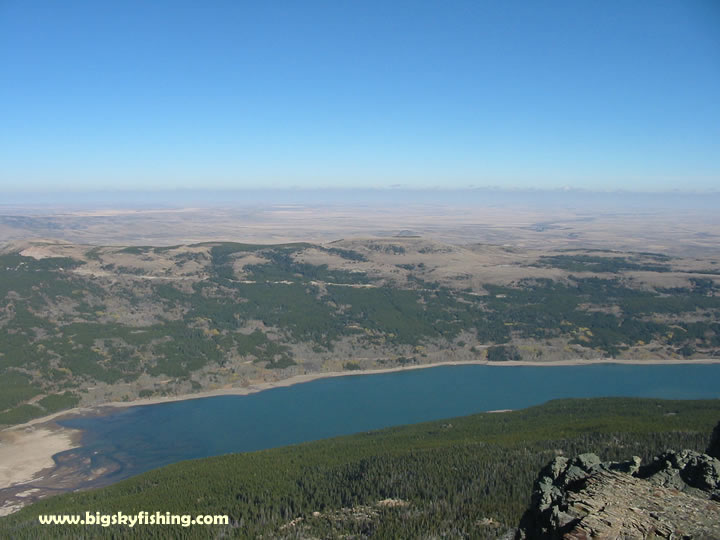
column 679, row 224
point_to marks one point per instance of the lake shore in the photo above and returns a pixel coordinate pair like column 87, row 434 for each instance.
column 27, row 450
column 308, row 377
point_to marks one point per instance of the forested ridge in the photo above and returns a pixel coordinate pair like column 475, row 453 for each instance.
column 468, row 477
column 101, row 324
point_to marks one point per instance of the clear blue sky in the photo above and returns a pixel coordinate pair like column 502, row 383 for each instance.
column 172, row 94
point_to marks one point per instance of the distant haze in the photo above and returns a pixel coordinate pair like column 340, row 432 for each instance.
column 480, row 197
column 673, row 222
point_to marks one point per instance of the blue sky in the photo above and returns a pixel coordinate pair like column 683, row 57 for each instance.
column 226, row 95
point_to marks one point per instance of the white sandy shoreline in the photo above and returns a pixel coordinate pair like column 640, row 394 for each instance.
column 26, row 452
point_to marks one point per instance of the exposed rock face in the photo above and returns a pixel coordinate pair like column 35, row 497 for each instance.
column 685, row 470
column 714, row 448
column 675, row 496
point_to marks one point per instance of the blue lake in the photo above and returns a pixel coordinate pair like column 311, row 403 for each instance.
column 136, row 439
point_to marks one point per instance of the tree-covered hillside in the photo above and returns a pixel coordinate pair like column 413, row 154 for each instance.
column 88, row 325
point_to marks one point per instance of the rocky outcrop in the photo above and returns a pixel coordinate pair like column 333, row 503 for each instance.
column 685, row 471
column 677, row 495
column 714, row 447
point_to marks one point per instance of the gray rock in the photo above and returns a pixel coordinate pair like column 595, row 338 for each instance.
column 676, row 494
column 543, row 495
column 713, row 448
column 558, row 466
column 668, row 477
column 629, row 467
column 561, row 519
column 684, row 469
column 574, row 474
column 702, row 472
column 587, row 461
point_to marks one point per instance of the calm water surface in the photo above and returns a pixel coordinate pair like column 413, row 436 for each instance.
column 137, row 439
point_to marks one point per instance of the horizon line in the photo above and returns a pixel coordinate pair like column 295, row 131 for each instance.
column 390, row 189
